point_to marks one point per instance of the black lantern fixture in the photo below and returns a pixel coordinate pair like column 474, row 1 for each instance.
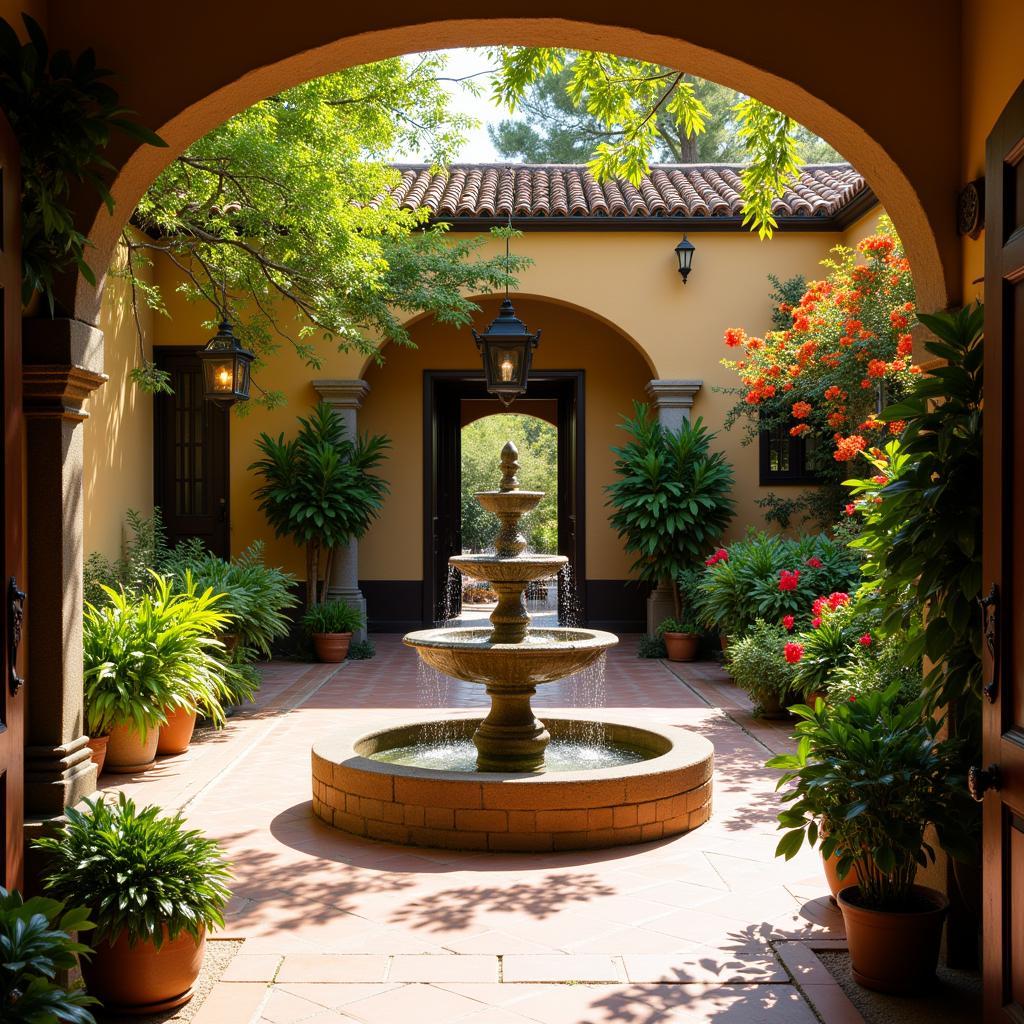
column 684, row 252
column 225, row 367
column 507, row 348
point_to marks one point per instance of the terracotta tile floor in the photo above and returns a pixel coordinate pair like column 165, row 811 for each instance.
column 344, row 929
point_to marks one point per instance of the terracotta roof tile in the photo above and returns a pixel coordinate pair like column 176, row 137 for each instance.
column 482, row 191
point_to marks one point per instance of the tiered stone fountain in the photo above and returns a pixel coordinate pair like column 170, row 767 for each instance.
column 414, row 783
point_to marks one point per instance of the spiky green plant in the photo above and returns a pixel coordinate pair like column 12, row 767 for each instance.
column 146, row 653
column 137, row 871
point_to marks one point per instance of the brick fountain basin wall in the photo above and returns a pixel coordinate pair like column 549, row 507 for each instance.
column 666, row 795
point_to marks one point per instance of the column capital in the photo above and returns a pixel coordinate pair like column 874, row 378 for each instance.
column 62, row 364
column 342, row 394
column 673, row 394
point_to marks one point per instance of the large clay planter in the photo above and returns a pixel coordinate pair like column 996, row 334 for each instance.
column 772, row 709
column 142, row 979
column 176, row 734
column 98, row 746
column 331, row 647
column 894, row 951
column 128, row 752
column 681, row 646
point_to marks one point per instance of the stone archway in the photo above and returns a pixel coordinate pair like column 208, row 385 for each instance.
column 236, row 61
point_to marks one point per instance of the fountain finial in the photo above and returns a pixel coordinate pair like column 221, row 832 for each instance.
column 509, row 467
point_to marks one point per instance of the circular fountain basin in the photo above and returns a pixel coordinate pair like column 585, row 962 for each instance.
column 521, row 569
column 664, row 791
column 542, row 657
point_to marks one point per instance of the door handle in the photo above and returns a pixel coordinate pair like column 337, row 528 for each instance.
column 990, row 629
column 15, row 619
column 222, row 510
column 981, row 780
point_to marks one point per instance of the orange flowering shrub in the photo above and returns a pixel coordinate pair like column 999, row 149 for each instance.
column 847, row 349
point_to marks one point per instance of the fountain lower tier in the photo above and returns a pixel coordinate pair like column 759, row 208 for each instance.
column 511, row 737
column 666, row 792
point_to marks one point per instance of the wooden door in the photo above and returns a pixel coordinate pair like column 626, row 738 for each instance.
column 442, row 591
column 1003, row 703
column 13, row 644
column 191, row 457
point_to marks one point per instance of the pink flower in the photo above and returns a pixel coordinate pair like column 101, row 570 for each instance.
column 789, row 580
column 865, row 640
column 721, row 555
column 788, row 621
column 815, row 562
column 794, row 652
column 816, row 622
column 837, row 600
column 850, row 509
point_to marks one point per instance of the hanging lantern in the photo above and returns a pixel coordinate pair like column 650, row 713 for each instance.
column 684, row 252
column 507, row 349
column 225, row 368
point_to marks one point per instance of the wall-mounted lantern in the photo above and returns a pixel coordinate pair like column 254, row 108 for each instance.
column 225, row 368
column 684, row 252
column 507, row 349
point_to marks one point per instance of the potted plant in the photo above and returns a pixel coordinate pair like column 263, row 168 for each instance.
column 871, row 775
column 671, row 501
column 331, row 626
column 145, row 658
column 319, row 490
column 759, row 664
column 681, row 637
column 153, row 887
column 36, row 946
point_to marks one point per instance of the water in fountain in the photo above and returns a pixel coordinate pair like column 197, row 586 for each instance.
column 570, row 612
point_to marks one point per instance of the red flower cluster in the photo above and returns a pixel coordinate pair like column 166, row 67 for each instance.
column 721, row 555
column 815, row 562
column 830, row 603
column 865, row 640
column 789, row 579
column 793, row 652
column 788, row 621
column 801, row 410
column 848, row 447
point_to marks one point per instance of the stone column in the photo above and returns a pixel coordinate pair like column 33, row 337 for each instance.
column 63, row 364
column 673, row 401
column 345, row 397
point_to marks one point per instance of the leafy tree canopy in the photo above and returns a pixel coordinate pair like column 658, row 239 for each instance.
column 276, row 217
column 618, row 113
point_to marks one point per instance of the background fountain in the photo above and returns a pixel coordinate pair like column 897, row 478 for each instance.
column 509, row 781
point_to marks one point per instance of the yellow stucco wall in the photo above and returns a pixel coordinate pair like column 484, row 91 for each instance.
column 610, row 303
column 992, row 70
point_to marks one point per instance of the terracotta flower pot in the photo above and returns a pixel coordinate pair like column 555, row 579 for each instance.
column 724, row 641
column 230, row 642
column 142, row 979
column 681, row 646
column 890, row 950
column 176, row 735
column 812, row 697
column 771, row 707
column 831, row 866
column 331, row 647
column 128, row 752
column 98, row 746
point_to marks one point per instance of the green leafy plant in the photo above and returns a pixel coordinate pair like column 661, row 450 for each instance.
column 144, row 548
column 687, row 624
column 671, row 502
column 320, row 490
column 835, row 636
column 35, row 945
column 62, row 113
column 332, row 617
column 875, row 668
column 757, row 662
column 868, row 778
column 361, row 650
column 137, row 871
column 147, row 653
column 922, row 525
column 651, row 647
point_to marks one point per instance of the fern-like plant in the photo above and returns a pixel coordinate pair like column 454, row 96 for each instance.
column 137, row 871
column 671, row 502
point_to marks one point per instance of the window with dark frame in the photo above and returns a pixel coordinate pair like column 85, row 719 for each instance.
column 785, row 459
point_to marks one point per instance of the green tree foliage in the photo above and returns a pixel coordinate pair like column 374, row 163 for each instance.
column 671, row 502
column 629, row 110
column 537, row 441
column 277, row 216
column 319, row 489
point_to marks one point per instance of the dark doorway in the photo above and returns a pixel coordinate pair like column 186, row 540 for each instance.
column 444, row 393
column 191, row 462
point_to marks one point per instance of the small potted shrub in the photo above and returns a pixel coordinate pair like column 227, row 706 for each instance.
column 758, row 662
column 148, row 658
column 331, row 626
column 871, row 775
column 36, row 945
column 681, row 637
column 153, row 887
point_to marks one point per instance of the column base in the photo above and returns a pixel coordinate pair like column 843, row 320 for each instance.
column 58, row 777
column 660, row 606
column 355, row 599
